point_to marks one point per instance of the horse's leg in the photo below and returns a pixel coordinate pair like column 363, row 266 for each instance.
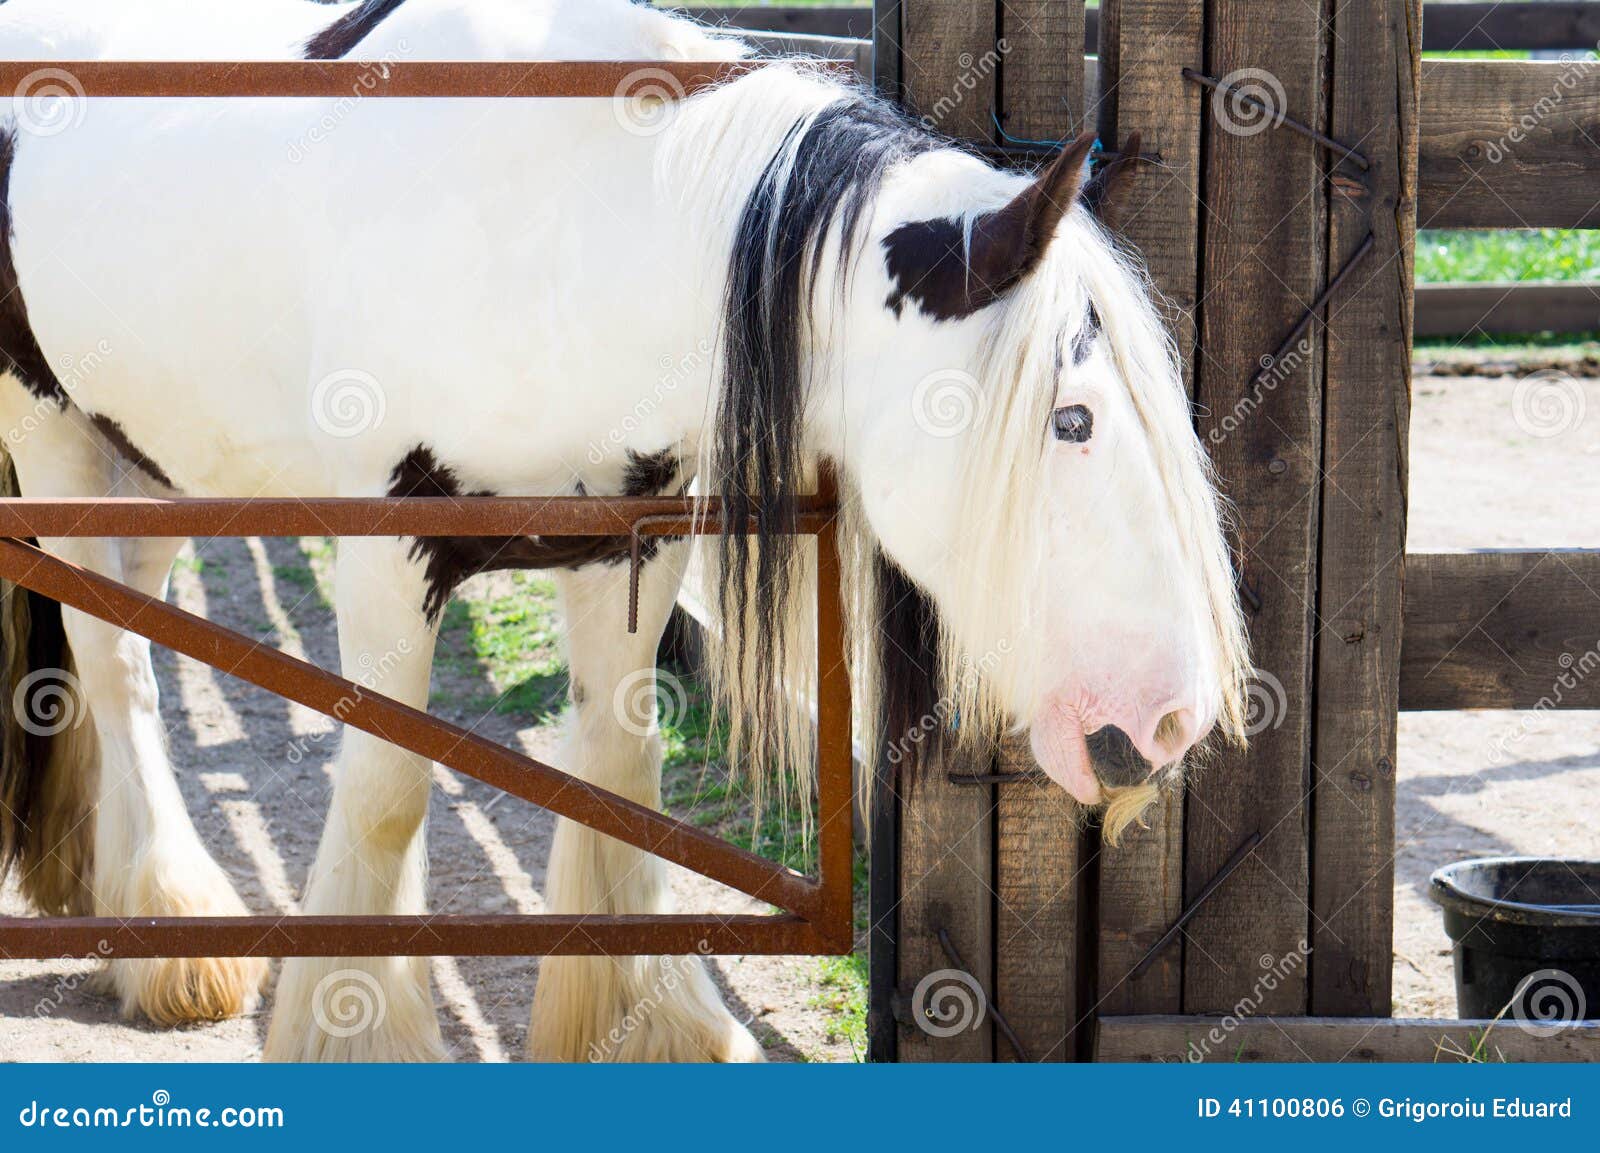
column 148, row 860
column 373, row 857
column 621, row 1008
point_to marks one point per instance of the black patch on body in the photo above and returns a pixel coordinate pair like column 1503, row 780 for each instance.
column 118, row 439
column 336, row 41
column 451, row 560
column 839, row 160
column 20, row 353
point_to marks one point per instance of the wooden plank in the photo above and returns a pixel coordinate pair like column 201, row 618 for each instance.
column 1145, row 44
column 1264, row 261
column 1501, row 630
column 1037, row 870
column 1038, row 862
column 1502, row 309
column 1509, row 144
column 949, row 64
column 1335, row 1039
column 1483, row 27
column 1367, row 419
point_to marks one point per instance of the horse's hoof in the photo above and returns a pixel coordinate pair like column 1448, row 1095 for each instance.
column 651, row 1009
column 182, row 990
column 348, row 1009
column 178, row 990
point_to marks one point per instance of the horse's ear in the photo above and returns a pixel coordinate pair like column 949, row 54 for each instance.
column 1006, row 245
column 930, row 263
column 1102, row 195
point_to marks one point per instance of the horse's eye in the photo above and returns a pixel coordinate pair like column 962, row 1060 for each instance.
column 1074, row 424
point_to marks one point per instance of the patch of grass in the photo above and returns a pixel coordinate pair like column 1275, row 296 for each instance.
column 1531, row 254
column 512, row 641
column 842, row 992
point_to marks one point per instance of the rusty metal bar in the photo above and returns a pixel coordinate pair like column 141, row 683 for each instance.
column 835, row 754
column 358, row 516
column 409, row 728
column 445, row 935
column 667, row 79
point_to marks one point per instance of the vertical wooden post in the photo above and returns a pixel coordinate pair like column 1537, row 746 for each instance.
column 1038, row 860
column 1367, row 417
column 948, row 69
column 1144, row 46
column 1264, row 236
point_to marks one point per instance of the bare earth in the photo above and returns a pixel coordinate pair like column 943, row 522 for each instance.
column 1480, row 480
column 255, row 772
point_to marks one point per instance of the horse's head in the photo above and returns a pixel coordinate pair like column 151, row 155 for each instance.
column 1033, row 532
column 1024, row 452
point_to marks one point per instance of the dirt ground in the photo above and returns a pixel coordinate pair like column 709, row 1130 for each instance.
column 255, row 773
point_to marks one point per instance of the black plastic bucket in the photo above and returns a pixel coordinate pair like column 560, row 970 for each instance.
column 1526, row 932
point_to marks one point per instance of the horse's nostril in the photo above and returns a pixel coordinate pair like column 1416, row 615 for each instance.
column 1175, row 732
column 1116, row 759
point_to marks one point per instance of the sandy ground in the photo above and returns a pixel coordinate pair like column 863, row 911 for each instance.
column 1480, row 479
column 255, row 773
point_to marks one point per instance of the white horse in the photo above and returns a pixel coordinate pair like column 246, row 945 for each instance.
column 406, row 297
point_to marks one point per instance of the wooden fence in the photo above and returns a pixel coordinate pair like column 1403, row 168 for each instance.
column 979, row 870
column 1456, row 105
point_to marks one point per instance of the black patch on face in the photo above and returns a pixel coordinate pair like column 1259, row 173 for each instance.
column 20, row 353
column 1083, row 343
column 118, row 439
column 927, row 263
column 579, row 693
column 337, row 40
column 1074, row 424
column 451, row 560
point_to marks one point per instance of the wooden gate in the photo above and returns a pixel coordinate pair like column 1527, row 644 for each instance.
column 1276, row 210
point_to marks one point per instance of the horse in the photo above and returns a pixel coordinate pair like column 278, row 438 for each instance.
column 720, row 294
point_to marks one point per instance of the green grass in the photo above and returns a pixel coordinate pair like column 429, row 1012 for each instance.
column 511, row 640
column 1534, row 254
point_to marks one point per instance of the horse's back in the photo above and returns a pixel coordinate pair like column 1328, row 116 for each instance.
column 220, row 262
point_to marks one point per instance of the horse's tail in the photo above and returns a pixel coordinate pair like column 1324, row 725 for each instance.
column 48, row 754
